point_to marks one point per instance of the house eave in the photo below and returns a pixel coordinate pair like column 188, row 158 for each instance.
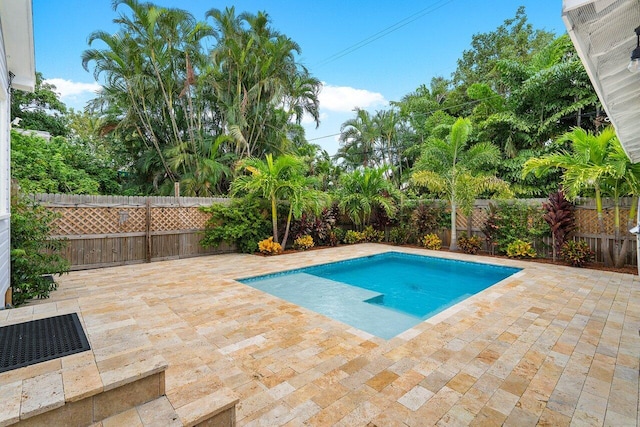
column 16, row 20
column 602, row 32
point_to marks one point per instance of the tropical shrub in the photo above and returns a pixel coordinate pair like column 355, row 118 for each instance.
column 303, row 243
column 352, row 236
column 319, row 227
column 362, row 191
column 269, row 247
column 432, row 241
column 469, row 244
column 33, row 254
column 372, row 235
column 510, row 221
column 428, row 219
column 400, row 235
column 242, row 223
column 577, row 253
column 336, row 235
column 520, row 249
column 561, row 219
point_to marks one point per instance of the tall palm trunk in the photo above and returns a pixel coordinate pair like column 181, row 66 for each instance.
column 621, row 248
column 453, row 246
column 274, row 218
column 286, row 230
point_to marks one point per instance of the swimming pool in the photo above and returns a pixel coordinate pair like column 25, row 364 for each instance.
column 383, row 294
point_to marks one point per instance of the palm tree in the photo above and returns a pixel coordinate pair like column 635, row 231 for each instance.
column 149, row 67
column 271, row 179
column 448, row 168
column 358, row 137
column 362, row 190
column 596, row 162
column 258, row 78
column 202, row 171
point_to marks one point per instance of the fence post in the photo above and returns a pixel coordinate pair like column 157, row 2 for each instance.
column 148, row 229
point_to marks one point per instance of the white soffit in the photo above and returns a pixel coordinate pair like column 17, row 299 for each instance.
column 603, row 34
column 16, row 19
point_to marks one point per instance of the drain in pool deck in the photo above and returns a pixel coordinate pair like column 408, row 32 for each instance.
column 36, row 341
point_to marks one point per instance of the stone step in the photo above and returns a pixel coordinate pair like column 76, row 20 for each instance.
column 43, row 400
column 214, row 410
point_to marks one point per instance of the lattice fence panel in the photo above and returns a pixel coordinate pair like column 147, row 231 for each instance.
column 587, row 220
column 98, row 220
column 177, row 218
column 478, row 218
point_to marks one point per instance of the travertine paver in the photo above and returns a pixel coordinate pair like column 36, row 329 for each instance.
column 548, row 346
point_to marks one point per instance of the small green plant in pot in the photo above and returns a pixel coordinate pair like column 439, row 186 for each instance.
column 577, row 253
column 432, row 241
column 520, row 249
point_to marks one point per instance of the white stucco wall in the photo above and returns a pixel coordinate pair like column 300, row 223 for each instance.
column 5, row 174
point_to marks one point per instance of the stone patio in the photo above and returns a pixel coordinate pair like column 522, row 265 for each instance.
column 549, row 346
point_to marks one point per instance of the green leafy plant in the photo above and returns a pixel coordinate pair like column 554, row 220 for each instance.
column 303, row 243
column 352, row 236
column 33, row 254
column 577, row 253
column 269, row 247
column 432, row 241
column 336, row 235
column 469, row 244
column 400, row 235
column 510, row 221
column 520, row 249
column 242, row 223
column 372, row 235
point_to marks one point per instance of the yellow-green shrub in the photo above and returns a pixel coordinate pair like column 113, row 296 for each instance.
column 372, row 235
column 432, row 241
column 269, row 247
column 520, row 249
column 303, row 242
column 352, row 237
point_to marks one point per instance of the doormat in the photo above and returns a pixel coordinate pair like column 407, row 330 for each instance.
column 36, row 341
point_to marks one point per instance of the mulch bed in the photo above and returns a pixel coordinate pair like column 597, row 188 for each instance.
column 629, row 269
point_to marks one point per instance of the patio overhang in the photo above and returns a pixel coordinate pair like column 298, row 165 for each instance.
column 17, row 32
column 603, row 34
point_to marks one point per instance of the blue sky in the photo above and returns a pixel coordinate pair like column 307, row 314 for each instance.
column 414, row 41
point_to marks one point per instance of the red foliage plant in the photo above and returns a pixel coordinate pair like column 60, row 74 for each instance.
column 561, row 218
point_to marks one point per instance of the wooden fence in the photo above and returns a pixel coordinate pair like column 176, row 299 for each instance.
column 106, row 231
column 115, row 230
column 586, row 222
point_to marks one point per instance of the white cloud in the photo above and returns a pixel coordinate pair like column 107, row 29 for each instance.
column 74, row 94
column 67, row 88
column 344, row 98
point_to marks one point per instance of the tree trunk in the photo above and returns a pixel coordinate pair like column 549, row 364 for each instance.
column 454, row 238
column 286, row 230
column 620, row 256
column 274, row 218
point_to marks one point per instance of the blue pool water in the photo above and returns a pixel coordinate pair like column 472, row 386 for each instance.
column 383, row 294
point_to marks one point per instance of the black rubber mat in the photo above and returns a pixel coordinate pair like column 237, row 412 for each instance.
column 36, row 341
